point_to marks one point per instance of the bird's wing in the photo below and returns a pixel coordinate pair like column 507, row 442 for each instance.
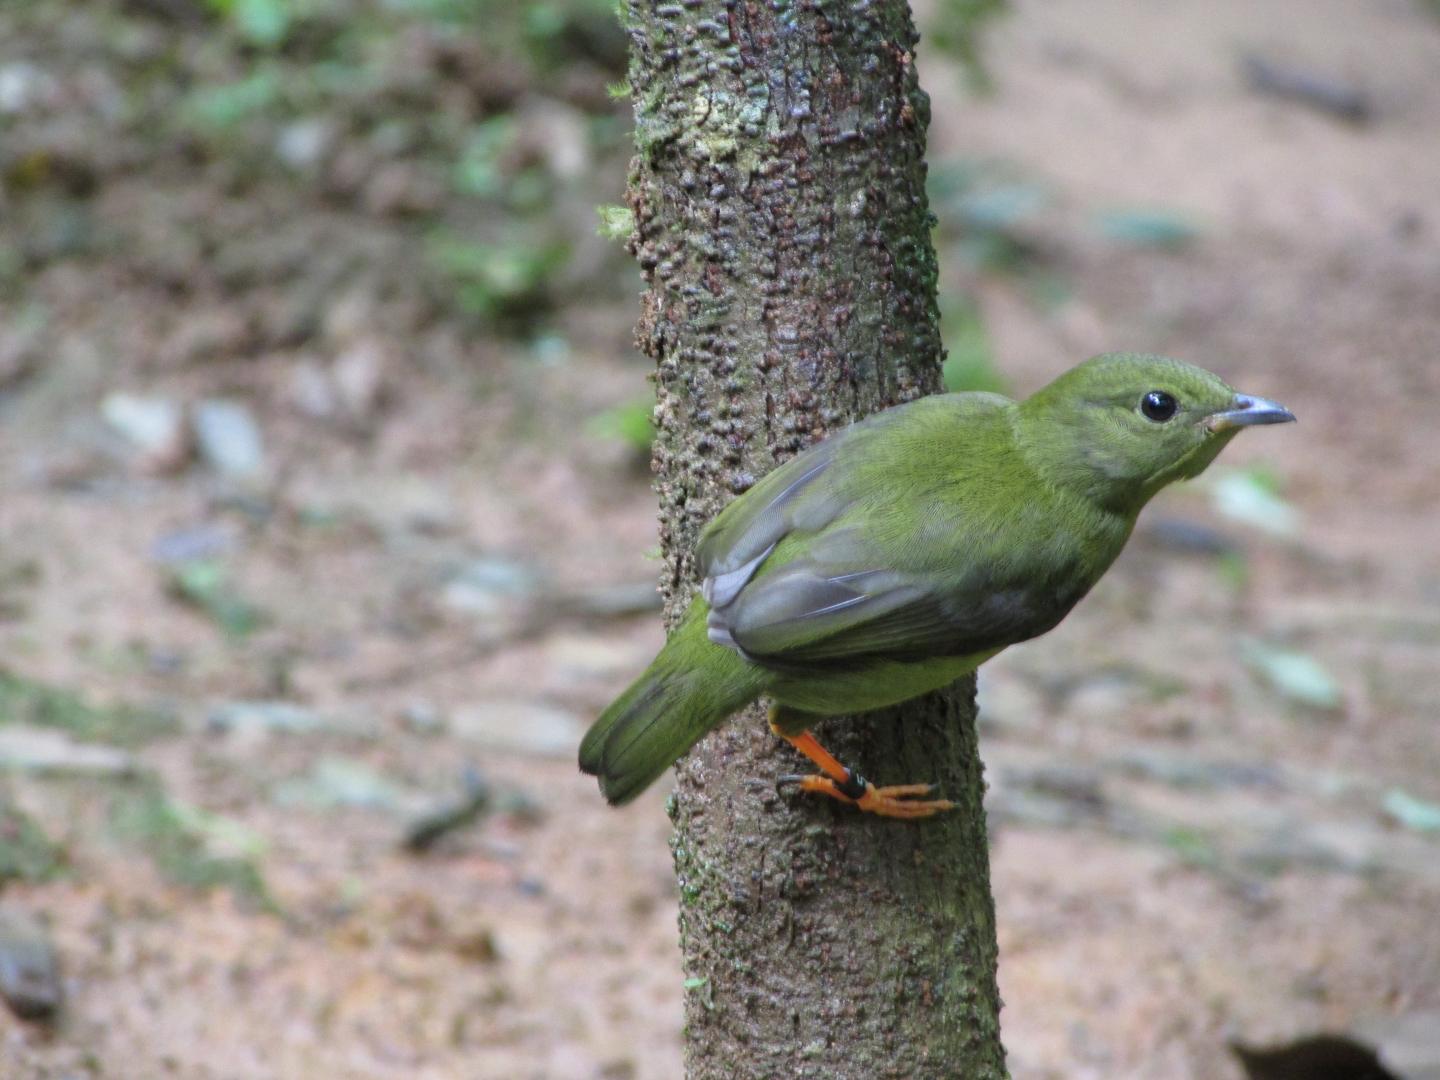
column 817, row 613
column 787, row 500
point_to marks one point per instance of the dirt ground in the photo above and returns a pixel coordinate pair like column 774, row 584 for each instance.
column 1215, row 789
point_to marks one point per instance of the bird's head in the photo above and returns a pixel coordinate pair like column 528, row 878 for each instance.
column 1121, row 426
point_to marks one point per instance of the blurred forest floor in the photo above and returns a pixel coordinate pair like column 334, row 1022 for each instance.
column 324, row 512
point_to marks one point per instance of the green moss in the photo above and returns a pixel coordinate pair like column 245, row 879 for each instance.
column 616, row 222
column 724, row 123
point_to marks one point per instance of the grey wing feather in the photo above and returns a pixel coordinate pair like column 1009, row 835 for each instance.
column 741, row 538
column 804, row 617
column 719, row 591
column 790, row 499
column 746, row 530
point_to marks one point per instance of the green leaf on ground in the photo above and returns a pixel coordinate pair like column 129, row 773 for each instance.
column 632, row 424
column 26, row 701
column 955, row 27
column 1147, row 228
column 989, row 214
column 218, row 108
column 337, row 782
column 1191, row 846
column 1413, row 813
column 205, row 585
column 260, row 22
column 480, row 169
column 193, row 847
column 970, row 363
column 1295, row 676
column 1001, row 206
column 26, row 852
column 497, row 280
column 1252, row 496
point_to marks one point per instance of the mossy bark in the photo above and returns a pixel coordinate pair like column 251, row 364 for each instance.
column 781, row 222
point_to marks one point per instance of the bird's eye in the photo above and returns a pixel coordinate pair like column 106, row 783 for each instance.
column 1159, row 406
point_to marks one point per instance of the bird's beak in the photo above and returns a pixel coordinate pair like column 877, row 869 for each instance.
column 1247, row 411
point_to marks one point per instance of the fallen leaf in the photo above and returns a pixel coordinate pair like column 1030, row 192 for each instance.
column 1295, row 676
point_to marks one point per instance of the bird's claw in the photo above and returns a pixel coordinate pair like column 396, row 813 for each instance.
column 896, row 801
column 781, row 782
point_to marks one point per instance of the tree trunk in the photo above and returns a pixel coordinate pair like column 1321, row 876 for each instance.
column 782, row 226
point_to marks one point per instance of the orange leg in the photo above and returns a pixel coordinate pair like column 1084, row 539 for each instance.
column 839, row 782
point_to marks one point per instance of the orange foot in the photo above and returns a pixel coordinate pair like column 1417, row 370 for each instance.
column 840, row 782
column 897, row 801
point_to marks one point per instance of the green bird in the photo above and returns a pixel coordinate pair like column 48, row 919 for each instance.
column 906, row 550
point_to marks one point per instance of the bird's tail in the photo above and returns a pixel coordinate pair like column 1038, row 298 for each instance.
column 690, row 688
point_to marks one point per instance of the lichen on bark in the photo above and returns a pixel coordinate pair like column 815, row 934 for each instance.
column 778, row 193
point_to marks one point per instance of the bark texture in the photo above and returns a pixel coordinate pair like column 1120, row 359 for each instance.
column 782, row 225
